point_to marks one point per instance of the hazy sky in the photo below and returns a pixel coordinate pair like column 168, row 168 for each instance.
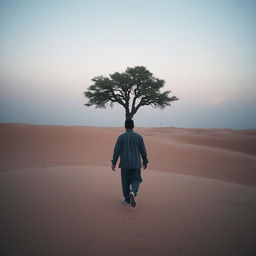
column 204, row 50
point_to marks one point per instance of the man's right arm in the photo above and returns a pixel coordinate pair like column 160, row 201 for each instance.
column 116, row 153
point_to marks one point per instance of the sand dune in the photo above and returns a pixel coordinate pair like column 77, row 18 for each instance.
column 59, row 197
column 228, row 155
column 77, row 211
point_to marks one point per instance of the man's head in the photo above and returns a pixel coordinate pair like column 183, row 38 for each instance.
column 129, row 124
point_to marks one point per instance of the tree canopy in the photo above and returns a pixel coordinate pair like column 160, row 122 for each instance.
column 134, row 88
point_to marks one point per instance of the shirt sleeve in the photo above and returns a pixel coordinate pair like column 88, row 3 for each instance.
column 117, row 150
column 143, row 152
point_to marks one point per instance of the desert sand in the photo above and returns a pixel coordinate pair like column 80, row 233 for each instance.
column 59, row 195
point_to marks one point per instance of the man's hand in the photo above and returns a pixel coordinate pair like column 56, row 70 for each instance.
column 113, row 167
column 145, row 166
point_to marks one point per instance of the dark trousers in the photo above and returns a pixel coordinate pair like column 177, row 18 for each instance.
column 131, row 180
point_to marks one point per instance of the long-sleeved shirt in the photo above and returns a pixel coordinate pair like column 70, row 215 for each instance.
column 130, row 147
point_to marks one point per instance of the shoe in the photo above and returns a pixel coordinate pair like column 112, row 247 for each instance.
column 132, row 199
column 126, row 203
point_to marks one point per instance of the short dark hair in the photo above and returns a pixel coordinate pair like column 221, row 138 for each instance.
column 129, row 124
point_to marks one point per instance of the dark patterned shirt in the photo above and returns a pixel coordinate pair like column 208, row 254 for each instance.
column 130, row 147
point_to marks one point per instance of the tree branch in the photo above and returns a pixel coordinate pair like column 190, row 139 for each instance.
column 117, row 98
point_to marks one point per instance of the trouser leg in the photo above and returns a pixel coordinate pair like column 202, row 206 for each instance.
column 135, row 180
column 125, row 177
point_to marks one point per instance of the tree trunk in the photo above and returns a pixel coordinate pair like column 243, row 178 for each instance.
column 128, row 115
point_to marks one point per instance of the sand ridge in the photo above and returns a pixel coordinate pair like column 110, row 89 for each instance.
column 222, row 154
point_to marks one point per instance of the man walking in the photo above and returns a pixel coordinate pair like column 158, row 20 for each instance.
column 130, row 147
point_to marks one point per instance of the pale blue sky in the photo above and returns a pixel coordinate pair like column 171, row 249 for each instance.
column 204, row 50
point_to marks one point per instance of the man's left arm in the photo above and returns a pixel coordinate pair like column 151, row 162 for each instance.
column 143, row 153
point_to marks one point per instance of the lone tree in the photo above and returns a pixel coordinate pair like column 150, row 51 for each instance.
column 134, row 88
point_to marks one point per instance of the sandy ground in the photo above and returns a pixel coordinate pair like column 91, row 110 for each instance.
column 59, row 197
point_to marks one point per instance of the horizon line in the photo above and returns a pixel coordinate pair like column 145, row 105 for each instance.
column 143, row 127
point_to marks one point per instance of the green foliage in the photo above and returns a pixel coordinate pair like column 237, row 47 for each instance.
column 134, row 88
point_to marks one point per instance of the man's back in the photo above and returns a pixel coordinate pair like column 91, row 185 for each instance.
column 130, row 146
